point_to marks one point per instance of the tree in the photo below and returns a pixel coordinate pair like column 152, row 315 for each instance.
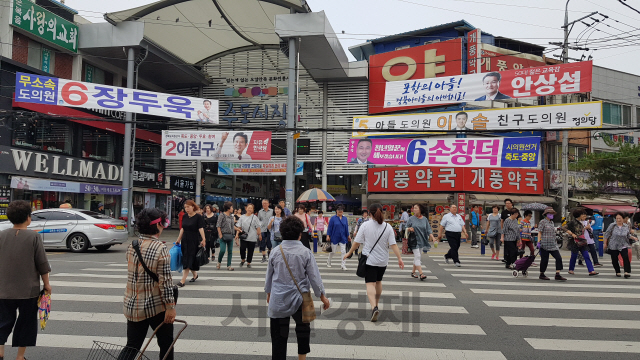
column 605, row 167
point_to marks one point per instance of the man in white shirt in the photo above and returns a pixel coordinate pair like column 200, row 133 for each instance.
column 403, row 220
column 453, row 225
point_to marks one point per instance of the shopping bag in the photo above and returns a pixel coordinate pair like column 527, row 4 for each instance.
column 176, row 257
column 44, row 308
column 202, row 256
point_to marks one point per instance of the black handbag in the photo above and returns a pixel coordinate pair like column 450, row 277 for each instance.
column 412, row 240
column 136, row 247
column 243, row 234
column 202, row 256
column 362, row 261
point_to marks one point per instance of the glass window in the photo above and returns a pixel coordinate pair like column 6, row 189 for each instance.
column 43, row 134
column 612, row 114
column 97, row 144
column 147, row 155
column 626, row 115
column 94, row 215
column 41, row 216
column 60, row 215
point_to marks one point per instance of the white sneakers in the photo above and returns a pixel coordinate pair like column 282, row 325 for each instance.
column 344, row 268
column 475, row 246
column 328, row 264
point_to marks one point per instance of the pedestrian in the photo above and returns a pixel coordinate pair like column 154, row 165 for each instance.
column 404, row 217
column 338, row 234
column 226, row 233
column 475, row 225
column 292, row 271
column 616, row 242
column 248, row 233
column 511, row 238
column 23, row 262
column 365, row 217
column 548, row 244
column 180, row 216
column 149, row 303
column 525, row 229
column 589, row 234
column 508, row 205
column 287, row 212
column 264, row 215
column 376, row 237
column 192, row 232
column 302, row 215
column 274, row 226
column 419, row 225
column 578, row 234
column 598, row 222
column 210, row 230
column 453, row 226
column 320, row 225
column 493, row 229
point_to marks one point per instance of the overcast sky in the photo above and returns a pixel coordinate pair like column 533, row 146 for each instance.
column 538, row 23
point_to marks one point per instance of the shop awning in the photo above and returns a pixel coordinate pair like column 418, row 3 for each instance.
column 104, row 125
column 409, row 198
column 491, row 199
column 611, row 209
column 601, row 201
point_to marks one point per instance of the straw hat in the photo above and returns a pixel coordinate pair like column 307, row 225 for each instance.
column 549, row 210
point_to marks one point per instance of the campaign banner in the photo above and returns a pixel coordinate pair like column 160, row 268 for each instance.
column 40, row 89
column 455, row 179
column 522, row 152
column 244, row 146
column 27, row 183
column 539, row 81
column 257, row 169
column 587, row 115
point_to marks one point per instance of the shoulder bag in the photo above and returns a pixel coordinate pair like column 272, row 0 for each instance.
column 277, row 236
column 136, row 247
column 308, row 310
column 244, row 235
column 362, row 261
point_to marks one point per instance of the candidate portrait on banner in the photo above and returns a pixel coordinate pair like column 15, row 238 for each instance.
column 491, row 83
column 363, row 151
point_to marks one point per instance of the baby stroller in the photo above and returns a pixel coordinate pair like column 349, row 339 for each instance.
column 522, row 265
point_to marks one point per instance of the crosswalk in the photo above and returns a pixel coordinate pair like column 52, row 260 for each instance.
column 456, row 313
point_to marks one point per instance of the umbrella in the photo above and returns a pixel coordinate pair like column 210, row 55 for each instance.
column 535, row 207
column 313, row 195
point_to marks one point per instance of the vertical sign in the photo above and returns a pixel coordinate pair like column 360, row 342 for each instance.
column 88, row 73
column 474, row 51
column 461, row 203
column 46, row 60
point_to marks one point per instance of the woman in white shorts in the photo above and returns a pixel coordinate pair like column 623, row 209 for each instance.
column 418, row 224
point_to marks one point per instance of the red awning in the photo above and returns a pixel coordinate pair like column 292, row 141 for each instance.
column 104, row 125
column 612, row 209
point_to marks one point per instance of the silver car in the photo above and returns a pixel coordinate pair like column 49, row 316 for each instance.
column 76, row 229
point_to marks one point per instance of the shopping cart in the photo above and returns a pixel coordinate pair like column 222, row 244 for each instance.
column 105, row 351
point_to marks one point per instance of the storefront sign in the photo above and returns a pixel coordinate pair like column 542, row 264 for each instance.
column 471, row 152
column 216, row 145
column 437, row 60
column 31, row 163
column 46, row 60
column 27, row 183
column 257, row 169
column 474, row 45
column 580, row 181
column 561, row 116
column 45, row 25
column 598, row 140
column 455, row 179
column 183, row 184
column 218, row 184
column 539, row 81
column 148, row 178
column 5, row 199
column 499, row 59
column 462, row 203
column 242, row 113
column 40, row 89
column 100, row 189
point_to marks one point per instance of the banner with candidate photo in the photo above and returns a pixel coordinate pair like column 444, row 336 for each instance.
column 504, row 85
column 228, row 146
column 40, row 89
column 587, row 115
column 520, row 152
column 258, row 169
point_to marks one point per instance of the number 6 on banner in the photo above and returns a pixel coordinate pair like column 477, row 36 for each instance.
column 417, row 152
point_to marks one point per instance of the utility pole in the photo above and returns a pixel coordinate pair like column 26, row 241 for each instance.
column 126, row 166
column 291, row 121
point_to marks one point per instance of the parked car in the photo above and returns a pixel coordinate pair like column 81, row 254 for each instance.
column 76, row 229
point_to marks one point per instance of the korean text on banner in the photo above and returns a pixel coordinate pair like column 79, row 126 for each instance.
column 234, row 146
column 454, row 179
column 474, row 51
column 585, row 115
column 54, row 91
column 520, row 152
column 257, row 169
column 538, row 81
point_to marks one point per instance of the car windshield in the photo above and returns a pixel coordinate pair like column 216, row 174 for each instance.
column 94, row 214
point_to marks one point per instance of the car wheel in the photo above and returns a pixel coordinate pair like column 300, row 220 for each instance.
column 103, row 247
column 78, row 243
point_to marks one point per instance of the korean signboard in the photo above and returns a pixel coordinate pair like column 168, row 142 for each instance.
column 45, row 24
column 522, row 152
column 577, row 115
column 54, row 91
column 257, row 169
column 498, row 59
column 5, row 199
column 598, row 141
column 148, row 178
column 216, row 145
column 538, row 81
column 438, row 60
column 182, row 184
column 580, row 181
column 27, row 183
column 474, row 45
column 455, row 179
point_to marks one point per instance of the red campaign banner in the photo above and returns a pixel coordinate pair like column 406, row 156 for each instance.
column 455, row 179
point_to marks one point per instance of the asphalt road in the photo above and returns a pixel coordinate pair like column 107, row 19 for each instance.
column 478, row 311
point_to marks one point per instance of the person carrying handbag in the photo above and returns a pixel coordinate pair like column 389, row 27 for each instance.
column 376, row 238
column 291, row 274
column 338, row 233
column 616, row 243
column 578, row 242
column 226, row 233
column 248, row 234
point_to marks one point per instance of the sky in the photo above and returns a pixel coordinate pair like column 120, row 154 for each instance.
column 537, row 23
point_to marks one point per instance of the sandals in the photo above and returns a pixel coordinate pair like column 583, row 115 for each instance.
column 230, row 268
column 194, row 279
column 571, row 272
column 218, row 266
column 413, row 275
column 423, row 277
column 242, row 263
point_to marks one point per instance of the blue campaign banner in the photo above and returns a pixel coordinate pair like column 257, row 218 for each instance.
column 36, row 89
column 520, row 152
column 257, row 169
